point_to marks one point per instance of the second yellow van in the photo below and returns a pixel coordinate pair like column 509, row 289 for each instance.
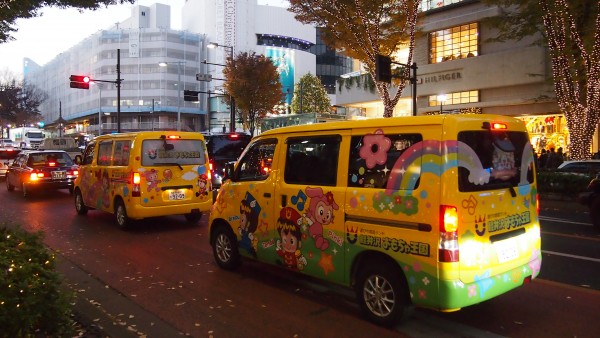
column 145, row 174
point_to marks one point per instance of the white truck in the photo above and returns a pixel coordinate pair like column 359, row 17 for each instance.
column 67, row 144
column 27, row 137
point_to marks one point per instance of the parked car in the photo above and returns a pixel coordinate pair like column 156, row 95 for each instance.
column 39, row 170
column 584, row 167
column 6, row 143
column 223, row 148
column 7, row 155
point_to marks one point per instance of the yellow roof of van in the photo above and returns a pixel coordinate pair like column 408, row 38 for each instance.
column 153, row 134
column 392, row 121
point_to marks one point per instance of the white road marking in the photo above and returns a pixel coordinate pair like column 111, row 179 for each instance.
column 597, row 260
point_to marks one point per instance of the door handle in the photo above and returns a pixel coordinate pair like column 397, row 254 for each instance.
column 267, row 195
column 283, row 200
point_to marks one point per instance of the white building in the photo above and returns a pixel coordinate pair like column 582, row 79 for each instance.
column 149, row 94
column 244, row 26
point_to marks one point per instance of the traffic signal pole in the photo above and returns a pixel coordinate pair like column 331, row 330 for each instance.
column 83, row 82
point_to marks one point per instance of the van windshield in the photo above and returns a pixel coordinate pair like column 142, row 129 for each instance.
column 177, row 151
column 493, row 160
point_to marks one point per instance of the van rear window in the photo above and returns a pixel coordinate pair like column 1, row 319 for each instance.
column 172, row 151
column 493, row 160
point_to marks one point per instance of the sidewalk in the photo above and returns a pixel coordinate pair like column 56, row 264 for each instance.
column 105, row 311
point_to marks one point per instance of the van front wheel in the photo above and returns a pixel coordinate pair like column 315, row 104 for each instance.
column 225, row 248
column 382, row 293
column 121, row 215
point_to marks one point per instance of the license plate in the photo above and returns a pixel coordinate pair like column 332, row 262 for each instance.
column 175, row 195
column 506, row 250
column 59, row 175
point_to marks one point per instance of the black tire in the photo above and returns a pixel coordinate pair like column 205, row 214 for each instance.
column 193, row 217
column 9, row 186
column 382, row 293
column 225, row 249
column 24, row 190
column 80, row 206
column 121, row 217
column 71, row 189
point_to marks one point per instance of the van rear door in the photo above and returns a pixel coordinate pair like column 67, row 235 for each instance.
column 173, row 171
column 496, row 198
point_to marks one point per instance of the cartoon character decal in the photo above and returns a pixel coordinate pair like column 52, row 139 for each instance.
column 249, row 212
column 105, row 189
column 290, row 239
column 319, row 213
column 202, row 185
column 152, row 180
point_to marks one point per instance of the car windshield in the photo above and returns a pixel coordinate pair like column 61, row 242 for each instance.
column 227, row 146
column 8, row 155
column 46, row 159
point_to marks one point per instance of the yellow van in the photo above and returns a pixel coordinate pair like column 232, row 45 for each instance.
column 433, row 211
column 145, row 174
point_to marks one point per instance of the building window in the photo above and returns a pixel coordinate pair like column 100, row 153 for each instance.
column 471, row 96
column 454, row 43
column 427, row 5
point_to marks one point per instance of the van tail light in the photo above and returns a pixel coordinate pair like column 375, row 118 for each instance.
column 135, row 189
column 448, row 247
column 537, row 203
column 209, row 174
column 210, row 166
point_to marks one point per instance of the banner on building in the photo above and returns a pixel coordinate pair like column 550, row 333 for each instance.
column 283, row 59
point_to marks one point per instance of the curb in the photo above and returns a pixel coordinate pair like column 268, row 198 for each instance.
column 108, row 312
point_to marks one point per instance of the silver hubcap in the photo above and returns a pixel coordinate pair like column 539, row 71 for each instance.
column 379, row 295
column 121, row 215
column 223, row 247
column 78, row 202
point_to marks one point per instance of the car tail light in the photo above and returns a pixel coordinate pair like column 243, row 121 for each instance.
column 52, row 164
column 234, row 136
column 135, row 190
column 448, row 247
column 34, row 176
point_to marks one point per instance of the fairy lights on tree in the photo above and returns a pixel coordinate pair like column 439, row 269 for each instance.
column 363, row 29
column 576, row 70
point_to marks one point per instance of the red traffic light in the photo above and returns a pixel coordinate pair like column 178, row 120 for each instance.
column 80, row 81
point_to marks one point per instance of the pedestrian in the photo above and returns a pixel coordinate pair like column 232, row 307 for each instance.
column 553, row 160
column 561, row 156
column 543, row 158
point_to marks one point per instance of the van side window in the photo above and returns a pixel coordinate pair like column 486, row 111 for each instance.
column 104, row 153
column 374, row 157
column 255, row 165
column 121, row 153
column 88, row 155
column 312, row 160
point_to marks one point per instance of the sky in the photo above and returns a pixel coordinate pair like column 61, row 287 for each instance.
column 43, row 38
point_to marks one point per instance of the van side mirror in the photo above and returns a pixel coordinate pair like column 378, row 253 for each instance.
column 229, row 172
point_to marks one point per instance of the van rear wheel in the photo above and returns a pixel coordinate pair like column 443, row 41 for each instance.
column 123, row 220
column 382, row 293
column 79, row 205
column 225, row 249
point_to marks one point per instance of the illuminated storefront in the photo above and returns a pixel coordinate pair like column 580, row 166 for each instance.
column 547, row 131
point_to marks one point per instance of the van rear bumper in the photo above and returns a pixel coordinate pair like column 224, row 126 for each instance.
column 139, row 211
column 455, row 295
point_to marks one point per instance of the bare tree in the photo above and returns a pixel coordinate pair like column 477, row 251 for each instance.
column 364, row 29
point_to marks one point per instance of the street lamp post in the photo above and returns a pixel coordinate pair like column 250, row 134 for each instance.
column 442, row 98
column 99, row 107
column 178, row 63
column 232, row 106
